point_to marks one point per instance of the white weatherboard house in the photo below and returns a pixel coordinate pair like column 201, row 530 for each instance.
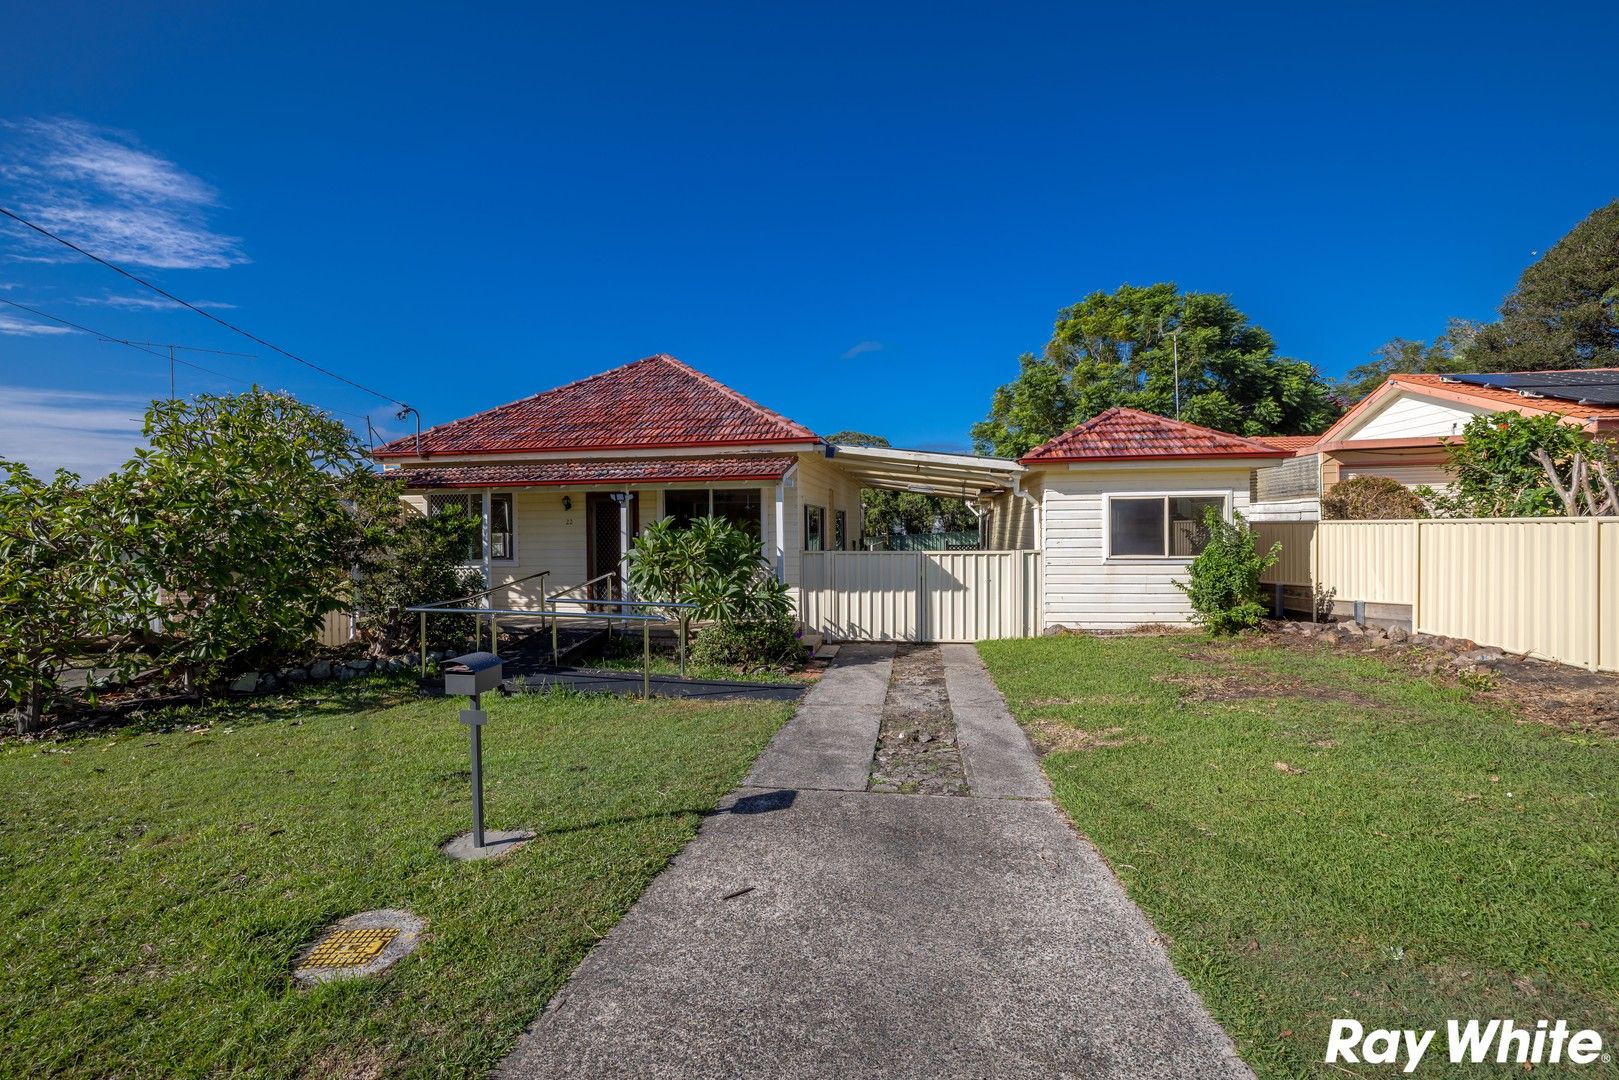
column 1090, row 529
column 1121, row 503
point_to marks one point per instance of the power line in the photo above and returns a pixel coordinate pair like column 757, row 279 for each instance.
column 205, row 314
column 143, row 346
column 176, row 360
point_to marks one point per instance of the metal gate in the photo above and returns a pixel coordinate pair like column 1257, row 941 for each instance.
column 920, row 595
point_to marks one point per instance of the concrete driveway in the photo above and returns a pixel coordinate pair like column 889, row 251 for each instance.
column 816, row 929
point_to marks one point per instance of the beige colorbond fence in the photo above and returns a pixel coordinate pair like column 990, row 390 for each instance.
column 1548, row 587
column 337, row 629
column 920, row 595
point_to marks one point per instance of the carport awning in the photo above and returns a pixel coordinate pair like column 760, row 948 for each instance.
column 927, row 472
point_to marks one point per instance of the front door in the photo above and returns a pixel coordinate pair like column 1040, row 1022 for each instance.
column 603, row 541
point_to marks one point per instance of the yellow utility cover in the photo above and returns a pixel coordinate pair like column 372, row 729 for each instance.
column 350, row 948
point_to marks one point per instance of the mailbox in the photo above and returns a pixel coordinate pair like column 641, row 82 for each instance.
column 472, row 674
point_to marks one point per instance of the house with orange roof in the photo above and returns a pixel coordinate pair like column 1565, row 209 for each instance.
column 565, row 479
column 1121, row 501
column 1400, row 429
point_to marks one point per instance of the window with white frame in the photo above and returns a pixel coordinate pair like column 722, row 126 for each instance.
column 502, row 534
column 1159, row 526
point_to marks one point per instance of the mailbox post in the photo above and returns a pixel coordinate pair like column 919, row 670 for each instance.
column 471, row 675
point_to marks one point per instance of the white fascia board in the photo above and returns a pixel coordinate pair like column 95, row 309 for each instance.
column 1173, row 464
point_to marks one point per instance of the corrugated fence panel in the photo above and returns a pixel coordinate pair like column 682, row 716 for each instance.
column 1292, row 566
column 1526, row 586
column 337, row 629
column 1372, row 561
column 1031, row 618
column 973, row 596
column 873, row 596
column 920, row 596
column 1607, row 590
column 813, row 595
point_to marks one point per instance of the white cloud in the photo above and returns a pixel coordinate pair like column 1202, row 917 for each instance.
column 101, row 189
column 22, row 328
column 149, row 303
column 90, row 434
column 862, row 347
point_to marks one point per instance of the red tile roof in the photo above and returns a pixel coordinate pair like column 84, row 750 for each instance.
column 655, row 403
column 590, row 472
column 1130, row 435
column 1294, row 443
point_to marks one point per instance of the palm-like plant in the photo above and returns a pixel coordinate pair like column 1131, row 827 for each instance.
column 710, row 563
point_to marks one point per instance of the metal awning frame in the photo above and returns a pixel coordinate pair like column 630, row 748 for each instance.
column 959, row 476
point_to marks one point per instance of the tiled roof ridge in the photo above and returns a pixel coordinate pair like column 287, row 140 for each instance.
column 735, row 395
column 1051, row 449
column 449, row 429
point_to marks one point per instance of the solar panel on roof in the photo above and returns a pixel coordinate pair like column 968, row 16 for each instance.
column 1581, row 387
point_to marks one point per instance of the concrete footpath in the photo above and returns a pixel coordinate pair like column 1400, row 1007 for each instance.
column 815, row 929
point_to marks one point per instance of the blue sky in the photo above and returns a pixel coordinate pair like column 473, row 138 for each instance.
column 858, row 214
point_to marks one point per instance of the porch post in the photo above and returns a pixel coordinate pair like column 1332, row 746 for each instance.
column 624, row 546
column 764, row 525
column 781, row 530
column 488, row 545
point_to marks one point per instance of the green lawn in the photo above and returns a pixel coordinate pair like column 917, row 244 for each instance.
column 1321, row 836
column 157, row 886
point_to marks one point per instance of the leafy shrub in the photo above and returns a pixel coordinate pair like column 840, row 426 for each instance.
column 1371, row 498
column 415, row 559
column 66, row 590
column 1223, row 581
column 710, row 563
column 240, row 513
column 1510, row 465
column 764, row 643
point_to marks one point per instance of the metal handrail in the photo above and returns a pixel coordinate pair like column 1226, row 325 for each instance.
column 646, row 622
column 423, row 610
column 532, row 611
column 630, row 603
column 441, row 604
column 597, row 580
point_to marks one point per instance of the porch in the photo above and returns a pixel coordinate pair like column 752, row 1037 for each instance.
column 578, row 518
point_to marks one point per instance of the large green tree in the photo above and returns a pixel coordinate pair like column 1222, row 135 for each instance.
column 1564, row 311
column 1448, row 353
column 1145, row 347
column 887, row 513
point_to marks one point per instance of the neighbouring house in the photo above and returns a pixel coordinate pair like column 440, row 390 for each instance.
column 1121, row 500
column 1400, row 429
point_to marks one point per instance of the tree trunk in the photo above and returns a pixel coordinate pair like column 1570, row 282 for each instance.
column 31, row 717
